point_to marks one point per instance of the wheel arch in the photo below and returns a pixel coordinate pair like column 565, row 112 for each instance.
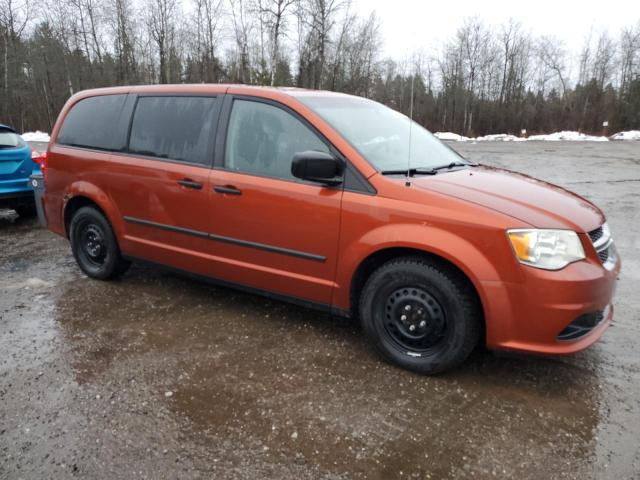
column 73, row 205
column 362, row 255
column 379, row 257
column 83, row 194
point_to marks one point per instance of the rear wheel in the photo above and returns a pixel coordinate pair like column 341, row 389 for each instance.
column 420, row 315
column 94, row 245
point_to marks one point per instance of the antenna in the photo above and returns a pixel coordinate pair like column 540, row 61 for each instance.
column 407, row 182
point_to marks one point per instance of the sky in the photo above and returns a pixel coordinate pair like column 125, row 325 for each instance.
column 411, row 25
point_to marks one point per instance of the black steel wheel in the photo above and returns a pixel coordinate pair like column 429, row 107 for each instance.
column 91, row 244
column 420, row 315
column 414, row 319
column 94, row 245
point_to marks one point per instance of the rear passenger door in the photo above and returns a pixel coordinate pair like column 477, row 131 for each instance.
column 161, row 183
column 274, row 231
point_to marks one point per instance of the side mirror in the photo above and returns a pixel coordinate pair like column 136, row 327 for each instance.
column 317, row 167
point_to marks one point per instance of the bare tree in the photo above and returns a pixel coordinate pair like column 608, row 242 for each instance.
column 207, row 20
column 276, row 13
column 13, row 20
column 553, row 56
column 585, row 60
column 124, row 39
column 629, row 56
column 603, row 60
column 354, row 61
column 515, row 46
column 162, row 29
column 242, row 28
column 316, row 20
column 474, row 39
column 92, row 8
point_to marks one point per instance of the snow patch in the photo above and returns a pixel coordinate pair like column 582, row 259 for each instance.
column 451, row 137
column 568, row 136
column 36, row 136
column 500, row 137
column 630, row 135
column 552, row 137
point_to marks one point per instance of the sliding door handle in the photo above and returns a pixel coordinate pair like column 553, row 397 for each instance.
column 188, row 183
column 227, row 189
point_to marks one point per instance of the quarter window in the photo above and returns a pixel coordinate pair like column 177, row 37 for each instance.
column 93, row 123
column 175, row 128
column 262, row 139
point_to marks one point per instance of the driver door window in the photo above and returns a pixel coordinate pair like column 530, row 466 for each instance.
column 262, row 140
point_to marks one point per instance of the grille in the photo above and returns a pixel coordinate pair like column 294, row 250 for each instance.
column 604, row 255
column 596, row 234
column 601, row 239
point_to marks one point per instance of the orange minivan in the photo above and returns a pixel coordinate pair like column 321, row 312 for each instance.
column 334, row 202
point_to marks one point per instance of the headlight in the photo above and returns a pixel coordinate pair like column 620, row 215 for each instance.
column 548, row 249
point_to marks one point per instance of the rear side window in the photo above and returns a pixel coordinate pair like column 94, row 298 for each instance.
column 8, row 139
column 94, row 123
column 175, row 128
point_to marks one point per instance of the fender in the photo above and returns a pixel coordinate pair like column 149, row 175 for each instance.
column 468, row 258
column 82, row 188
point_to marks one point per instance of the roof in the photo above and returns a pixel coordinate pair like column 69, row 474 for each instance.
column 206, row 88
column 6, row 127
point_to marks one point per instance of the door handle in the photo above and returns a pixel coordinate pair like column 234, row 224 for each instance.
column 227, row 189
column 187, row 182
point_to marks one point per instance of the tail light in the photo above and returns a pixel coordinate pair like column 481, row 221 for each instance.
column 41, row 160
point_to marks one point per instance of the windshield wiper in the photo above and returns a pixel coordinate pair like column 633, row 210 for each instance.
column 455, row 164
column 410, row 171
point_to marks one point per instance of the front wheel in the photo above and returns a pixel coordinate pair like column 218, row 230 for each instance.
column 94, row 245
column 420, row 315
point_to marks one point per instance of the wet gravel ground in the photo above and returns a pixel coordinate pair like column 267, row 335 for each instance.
column 158, row 376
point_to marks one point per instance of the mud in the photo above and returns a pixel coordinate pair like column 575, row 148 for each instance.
column 159, row 376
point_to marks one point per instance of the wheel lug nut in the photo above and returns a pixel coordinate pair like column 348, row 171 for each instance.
column 403, row 318
column 412, row 328
column 423, row 324
column 407, row 308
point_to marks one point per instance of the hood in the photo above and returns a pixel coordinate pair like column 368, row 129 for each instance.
column 538, row 203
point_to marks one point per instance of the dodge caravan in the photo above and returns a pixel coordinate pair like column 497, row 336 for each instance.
column 333, row 202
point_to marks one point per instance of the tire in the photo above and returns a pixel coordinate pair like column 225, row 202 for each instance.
column 94, row 245
column 420, row 315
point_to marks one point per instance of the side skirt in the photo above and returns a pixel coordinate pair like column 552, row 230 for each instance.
column 322, row 307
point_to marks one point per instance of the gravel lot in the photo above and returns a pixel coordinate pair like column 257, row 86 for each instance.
column 157, row 376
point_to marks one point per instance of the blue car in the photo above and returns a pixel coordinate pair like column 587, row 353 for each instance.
column 16, row 165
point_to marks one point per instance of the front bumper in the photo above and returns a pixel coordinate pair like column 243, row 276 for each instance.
column 533, row 316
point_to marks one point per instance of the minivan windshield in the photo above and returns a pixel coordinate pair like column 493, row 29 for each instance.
column 382, row 135
column 9, row 139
